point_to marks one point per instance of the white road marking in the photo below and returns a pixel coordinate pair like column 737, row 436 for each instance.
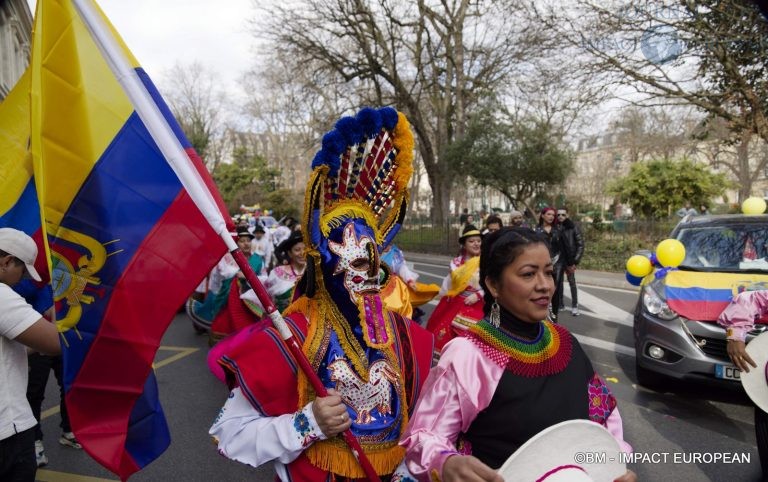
column 605, row 345
column 602, row 310
column 427, row 273
column 430, row 264
column 606, row 288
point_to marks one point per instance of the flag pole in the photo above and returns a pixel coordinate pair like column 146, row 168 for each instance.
column 178, row 159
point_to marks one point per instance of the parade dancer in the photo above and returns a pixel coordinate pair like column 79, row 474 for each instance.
column 372, row 360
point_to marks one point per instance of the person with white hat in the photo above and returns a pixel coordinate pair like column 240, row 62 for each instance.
column 508, row 377
column 20, row 326
column 738, row 319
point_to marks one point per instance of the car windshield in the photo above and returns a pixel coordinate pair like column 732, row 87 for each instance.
column 725, row 248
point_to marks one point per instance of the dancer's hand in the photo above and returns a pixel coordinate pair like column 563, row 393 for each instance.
column 331, row 414
column 465, row 468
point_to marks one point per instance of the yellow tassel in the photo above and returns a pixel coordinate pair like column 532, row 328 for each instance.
column 404, row 143
column 314, row 190
column 335, row 456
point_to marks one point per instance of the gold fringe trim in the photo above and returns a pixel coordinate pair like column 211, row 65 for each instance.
column 338, row 458
column 346, row 209
column 323, row 315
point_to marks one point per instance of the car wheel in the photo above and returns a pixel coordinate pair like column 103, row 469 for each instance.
column 648, row 378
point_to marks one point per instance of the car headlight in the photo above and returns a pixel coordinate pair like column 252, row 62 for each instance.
column 655, row 305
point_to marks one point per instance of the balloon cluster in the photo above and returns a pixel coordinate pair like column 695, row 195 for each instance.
column 669, row 254
column 753, row 205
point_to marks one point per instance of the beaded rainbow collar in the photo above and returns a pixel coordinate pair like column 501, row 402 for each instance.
column 548, row 354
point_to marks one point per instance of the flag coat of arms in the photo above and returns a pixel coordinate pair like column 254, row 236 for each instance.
column 126, row 241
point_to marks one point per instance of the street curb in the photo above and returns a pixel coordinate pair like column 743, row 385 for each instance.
column 604, row 279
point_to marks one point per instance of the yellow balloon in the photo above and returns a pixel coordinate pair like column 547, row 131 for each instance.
column 670, row 253
column 639, row 266
column 753, row 205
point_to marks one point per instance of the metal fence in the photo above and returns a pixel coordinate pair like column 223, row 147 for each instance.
column 608, row 245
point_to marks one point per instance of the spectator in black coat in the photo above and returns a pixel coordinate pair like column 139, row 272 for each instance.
column 574, row 244
column 553, row 232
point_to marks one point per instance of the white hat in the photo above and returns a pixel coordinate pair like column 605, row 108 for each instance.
column 574, row 450
column 19, row 245
column 756, row 381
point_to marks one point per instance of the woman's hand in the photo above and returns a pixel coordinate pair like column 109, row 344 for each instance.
column 628, row 476
column 471, row 299
column 331, row 414
column 465, row 468
column 738, row 353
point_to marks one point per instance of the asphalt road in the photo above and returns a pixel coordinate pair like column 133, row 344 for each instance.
column 674, row 433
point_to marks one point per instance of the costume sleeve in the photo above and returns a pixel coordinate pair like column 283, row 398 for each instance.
column 456, row 390
column 603, row 410
column 579, row 237
column 243, row 434
column 406, row 274
column 739, row 317
column 446, row 285
column 616, row 427
column 227, row 267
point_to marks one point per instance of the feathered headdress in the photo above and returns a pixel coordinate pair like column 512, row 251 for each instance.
column 362, row 171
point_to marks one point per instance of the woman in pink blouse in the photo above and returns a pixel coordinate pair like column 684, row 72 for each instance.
column 508, row 377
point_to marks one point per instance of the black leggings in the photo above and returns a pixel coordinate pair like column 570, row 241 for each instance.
column 557, row 298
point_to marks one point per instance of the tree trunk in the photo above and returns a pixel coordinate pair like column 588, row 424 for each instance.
column 441, row 196
column 742, row 159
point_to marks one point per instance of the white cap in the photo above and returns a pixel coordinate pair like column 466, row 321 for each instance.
column 19, row 245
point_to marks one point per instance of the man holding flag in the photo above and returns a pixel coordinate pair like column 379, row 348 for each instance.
column 20, row 327
column 119, row 188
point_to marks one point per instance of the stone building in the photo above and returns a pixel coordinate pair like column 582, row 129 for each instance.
column 15, row 42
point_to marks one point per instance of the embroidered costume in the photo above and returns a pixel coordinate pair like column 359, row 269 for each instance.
column 452, row 315
column 403, row 292
column 220, row 312
column 493, row 390
column 280, row 283
column 375, row 358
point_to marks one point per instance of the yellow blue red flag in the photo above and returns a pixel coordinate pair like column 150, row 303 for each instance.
column 127, row 242
column 703, row 296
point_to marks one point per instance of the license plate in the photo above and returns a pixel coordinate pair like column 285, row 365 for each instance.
column 727, row 372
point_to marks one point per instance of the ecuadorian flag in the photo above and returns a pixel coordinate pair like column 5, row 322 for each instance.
column 19, row 207
column 703, row 296
column 127, row 243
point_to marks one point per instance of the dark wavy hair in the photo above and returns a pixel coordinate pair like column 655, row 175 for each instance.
column 500, row 249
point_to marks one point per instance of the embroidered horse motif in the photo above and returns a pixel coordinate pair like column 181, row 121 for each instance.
column 364, row 396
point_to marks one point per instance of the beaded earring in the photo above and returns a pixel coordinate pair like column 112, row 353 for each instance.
column 495, row 317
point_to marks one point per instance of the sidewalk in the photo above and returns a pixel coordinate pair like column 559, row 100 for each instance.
column 586, row 277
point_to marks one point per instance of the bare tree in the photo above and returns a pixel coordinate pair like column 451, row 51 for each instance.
column 709, row 54
column 198, row 104
column 431, row 59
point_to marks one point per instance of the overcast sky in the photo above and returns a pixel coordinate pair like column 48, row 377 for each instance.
column 163, row 32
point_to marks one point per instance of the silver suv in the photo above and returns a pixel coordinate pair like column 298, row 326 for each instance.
column 669, row 344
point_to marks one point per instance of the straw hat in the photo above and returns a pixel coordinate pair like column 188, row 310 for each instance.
column 563, row 452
